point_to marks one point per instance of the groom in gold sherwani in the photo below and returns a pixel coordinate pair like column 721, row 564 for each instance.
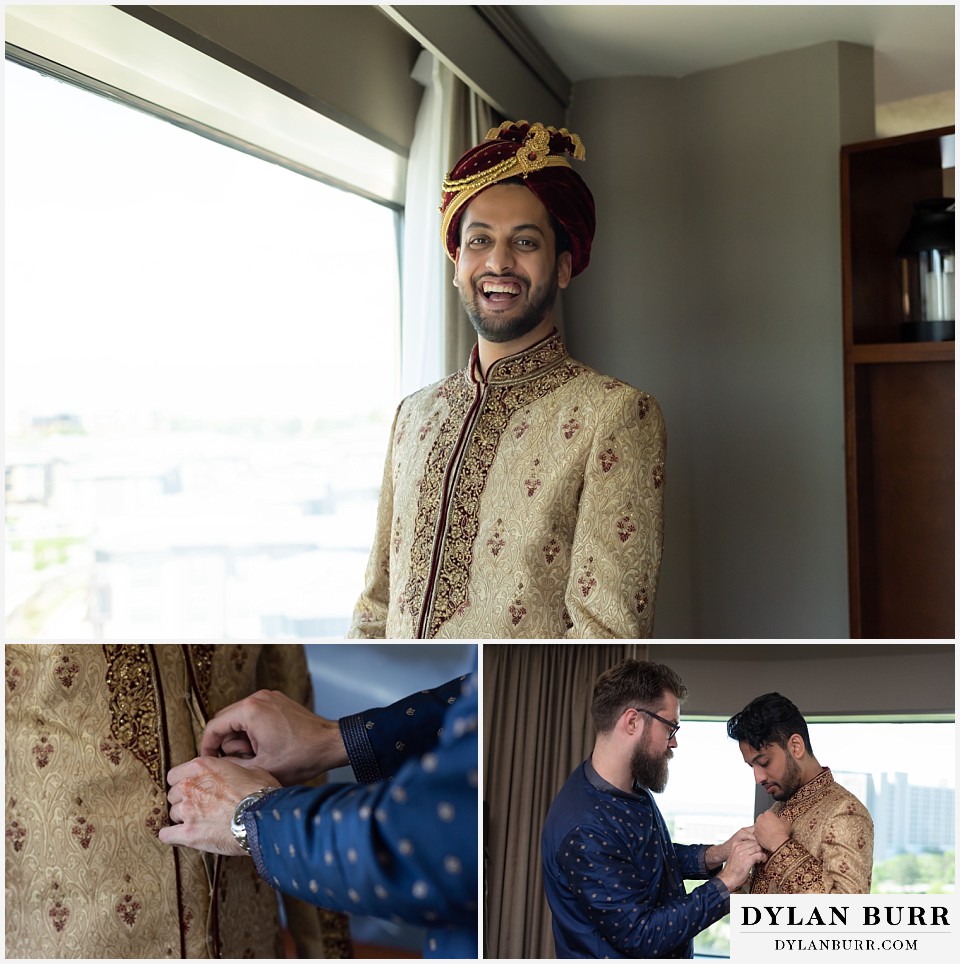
column 522, row 497
column 817, row 835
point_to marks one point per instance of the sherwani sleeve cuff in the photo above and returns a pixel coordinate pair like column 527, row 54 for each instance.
column 792, row 859
column 359, row 749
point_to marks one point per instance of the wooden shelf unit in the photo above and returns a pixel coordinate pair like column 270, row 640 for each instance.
column 899, row 401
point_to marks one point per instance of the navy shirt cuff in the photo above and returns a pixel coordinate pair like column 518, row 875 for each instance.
column 353, row 729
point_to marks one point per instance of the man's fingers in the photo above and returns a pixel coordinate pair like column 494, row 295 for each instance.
column 219, row 729
column 177, row 836
column 237, row 745
column 181, row 772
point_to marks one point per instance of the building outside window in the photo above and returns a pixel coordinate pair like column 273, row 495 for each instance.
column 904, row 772
column 201, row 371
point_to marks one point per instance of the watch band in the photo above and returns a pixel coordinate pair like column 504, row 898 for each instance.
column 237, row 827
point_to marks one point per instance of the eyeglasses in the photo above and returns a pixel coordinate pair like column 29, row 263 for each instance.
column 672, row 727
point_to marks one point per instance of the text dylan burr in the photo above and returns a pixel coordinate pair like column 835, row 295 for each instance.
column 837, row 916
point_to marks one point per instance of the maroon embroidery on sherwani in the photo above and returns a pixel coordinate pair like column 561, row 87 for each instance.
column 517, row 612
column 657, row 475
column 532, row 485
column 58, row 914
column 66, row 671
column 13, row 675
column 127, row 909
column 42, row 751
column 16, row 834
column 82, row 830
column 495, row 543
column 521, row 429
column 608, row 459
column 551, row 550
column 238, row 657
column 111, row 750
column 587, row 583
column 643, row 406
column 135, row 708
column 427, row 427
column 625, row 528
column 155, row 820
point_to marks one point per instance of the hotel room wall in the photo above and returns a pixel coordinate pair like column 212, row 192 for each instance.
column 716, row 286
column 849, row 679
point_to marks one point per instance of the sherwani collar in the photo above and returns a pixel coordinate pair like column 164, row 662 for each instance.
column 536, row 360
column 809, row 794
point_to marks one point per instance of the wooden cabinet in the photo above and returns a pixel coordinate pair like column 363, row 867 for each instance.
column 899, row 401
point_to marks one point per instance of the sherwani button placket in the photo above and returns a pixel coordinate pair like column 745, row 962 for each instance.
column 449, row 488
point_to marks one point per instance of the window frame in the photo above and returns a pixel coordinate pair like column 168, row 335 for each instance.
column 115, row 55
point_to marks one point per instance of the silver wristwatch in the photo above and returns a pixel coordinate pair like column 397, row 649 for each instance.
column 236, row 825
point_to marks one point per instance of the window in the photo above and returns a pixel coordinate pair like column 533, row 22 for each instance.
column 201, row 370
column 706, row 800
column 904, row 772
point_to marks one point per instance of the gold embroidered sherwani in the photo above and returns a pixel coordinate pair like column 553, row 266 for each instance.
column 526, row 505
column 91, row 732
column 830, row 850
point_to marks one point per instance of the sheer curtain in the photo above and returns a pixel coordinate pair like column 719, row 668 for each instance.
column 470, row 119
column 436, row 336
column 537, row 729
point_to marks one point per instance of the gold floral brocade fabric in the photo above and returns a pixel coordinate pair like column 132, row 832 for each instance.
column 91, row 732
column 830, row 850
column 525, row 505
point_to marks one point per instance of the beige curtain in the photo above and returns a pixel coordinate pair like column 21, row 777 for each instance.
column 537, row 730
column 470, row 119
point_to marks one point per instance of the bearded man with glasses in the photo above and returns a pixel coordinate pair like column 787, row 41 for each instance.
column 613, row 877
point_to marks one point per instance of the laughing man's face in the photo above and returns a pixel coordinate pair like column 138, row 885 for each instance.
column 507, row 269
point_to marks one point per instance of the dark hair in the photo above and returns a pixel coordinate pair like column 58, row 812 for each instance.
column 770, row 718
column 632, row 683
column 561, row 238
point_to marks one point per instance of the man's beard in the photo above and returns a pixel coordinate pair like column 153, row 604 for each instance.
column 650, row 770
column 488, row 326
column 791, row 782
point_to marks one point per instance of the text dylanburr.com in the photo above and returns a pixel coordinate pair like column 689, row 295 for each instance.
column 860, row 926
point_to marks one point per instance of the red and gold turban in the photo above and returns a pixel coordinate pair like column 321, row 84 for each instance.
column 536, row 154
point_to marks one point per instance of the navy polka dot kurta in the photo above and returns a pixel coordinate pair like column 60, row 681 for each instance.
column 614, row 879
column 401, row 846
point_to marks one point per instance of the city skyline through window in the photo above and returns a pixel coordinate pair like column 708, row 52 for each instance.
column 201, row 370
column 710, row 794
